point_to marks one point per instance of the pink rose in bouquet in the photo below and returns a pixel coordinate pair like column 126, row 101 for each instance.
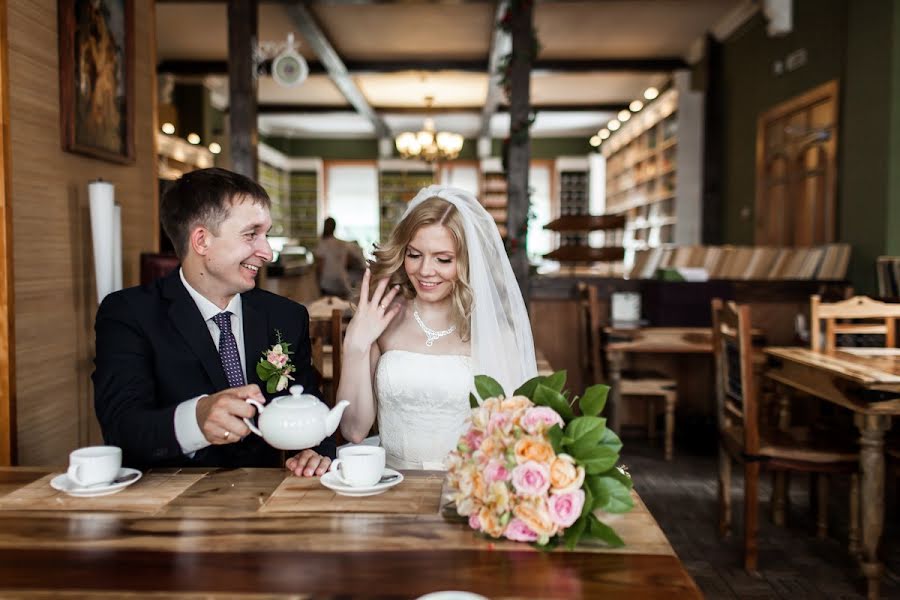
column 528, row 469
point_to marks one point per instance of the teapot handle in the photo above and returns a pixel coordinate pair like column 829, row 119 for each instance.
column 259, row 409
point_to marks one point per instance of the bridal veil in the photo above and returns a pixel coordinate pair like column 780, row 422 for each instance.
column 502, row 344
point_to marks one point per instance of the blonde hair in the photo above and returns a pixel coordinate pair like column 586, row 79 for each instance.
column 389, row 257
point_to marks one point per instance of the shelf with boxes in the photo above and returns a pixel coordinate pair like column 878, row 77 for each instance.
column 494, row 195
column 398, row 182
column 295, row 187
column 653, row 171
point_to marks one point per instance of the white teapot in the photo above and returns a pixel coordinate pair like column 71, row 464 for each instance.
column 296, row 422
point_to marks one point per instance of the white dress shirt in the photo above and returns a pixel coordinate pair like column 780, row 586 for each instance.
column 187, row 430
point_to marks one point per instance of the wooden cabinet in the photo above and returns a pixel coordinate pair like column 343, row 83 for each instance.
column 653, row 171
column 494, row 195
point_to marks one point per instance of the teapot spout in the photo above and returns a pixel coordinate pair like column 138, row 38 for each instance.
column 334, row 416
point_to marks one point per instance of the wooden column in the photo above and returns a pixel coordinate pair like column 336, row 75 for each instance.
column 242, row 38
column 7, row 339
column 519, row 151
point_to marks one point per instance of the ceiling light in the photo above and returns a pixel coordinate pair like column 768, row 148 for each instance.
column 613, row 125
column 193, row 138
column 636, row 106
column 624, row 115
column 168, row 128
column 215, row 148
column 428, row 144
column 595, row 141
column 603, row 133
column 650, row 93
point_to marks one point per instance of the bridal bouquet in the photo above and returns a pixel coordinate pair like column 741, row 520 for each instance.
column 529, row 470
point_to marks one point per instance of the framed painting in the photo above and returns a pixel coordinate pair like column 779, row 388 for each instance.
column 96, row 78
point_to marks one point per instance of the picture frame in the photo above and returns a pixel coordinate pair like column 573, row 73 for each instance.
column 96, row 78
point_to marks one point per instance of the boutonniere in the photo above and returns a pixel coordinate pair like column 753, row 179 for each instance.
column 275, row 367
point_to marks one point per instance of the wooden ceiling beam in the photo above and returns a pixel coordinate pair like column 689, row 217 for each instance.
column 502, row 108
column 501, row 45
column 605, row 65
column 314, row 36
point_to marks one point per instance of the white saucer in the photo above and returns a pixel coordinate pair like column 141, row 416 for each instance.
column 64, row 484
column 332, row 481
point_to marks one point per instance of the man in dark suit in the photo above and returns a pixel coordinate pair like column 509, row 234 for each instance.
column 176, row 359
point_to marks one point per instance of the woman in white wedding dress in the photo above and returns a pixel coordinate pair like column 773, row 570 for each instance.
column 445, row 307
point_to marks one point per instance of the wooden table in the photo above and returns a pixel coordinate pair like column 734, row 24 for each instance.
column 213, row 540
column 867, row 382
column 648, row 340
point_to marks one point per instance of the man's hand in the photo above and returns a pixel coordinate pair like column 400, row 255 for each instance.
column 220, row 415
column 308, row 464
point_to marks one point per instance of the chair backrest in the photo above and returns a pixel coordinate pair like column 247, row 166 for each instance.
column 592, row 323
column 736, row 393
column 858, row 321
column 324, row 333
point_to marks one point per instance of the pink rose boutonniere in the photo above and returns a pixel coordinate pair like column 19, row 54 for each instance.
column 275, row 366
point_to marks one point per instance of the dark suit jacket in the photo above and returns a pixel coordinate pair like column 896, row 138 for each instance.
column 154, row 351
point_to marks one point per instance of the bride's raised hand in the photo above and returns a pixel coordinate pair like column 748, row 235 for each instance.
column 372, row 314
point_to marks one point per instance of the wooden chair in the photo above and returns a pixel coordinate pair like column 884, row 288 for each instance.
column 744, row 439
column 865, row 321
column 658, row 391
column 326, row 337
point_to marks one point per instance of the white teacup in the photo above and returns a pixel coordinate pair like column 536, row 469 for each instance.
column 94, row 465
column 359, row 466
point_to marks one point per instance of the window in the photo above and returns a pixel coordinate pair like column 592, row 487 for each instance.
column 352, row 200
column 539, row 241
column 464, row 177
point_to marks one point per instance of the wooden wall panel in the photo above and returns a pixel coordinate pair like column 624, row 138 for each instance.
column 55, row 297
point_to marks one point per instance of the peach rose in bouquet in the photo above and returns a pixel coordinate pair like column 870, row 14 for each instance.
column 529, row 470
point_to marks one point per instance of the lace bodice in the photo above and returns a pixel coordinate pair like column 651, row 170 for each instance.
column 423, row 403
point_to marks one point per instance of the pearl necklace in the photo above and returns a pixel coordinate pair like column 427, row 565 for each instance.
column 430, row 334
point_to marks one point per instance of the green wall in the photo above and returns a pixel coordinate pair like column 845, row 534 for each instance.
column 855, row 42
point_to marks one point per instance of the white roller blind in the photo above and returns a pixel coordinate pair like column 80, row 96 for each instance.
column 353, row 203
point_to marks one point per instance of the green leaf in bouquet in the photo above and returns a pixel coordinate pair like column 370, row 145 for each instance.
column 473, row 401
column 585, row 432
column 555, row 435
column 545, row 396
column 597, row 459
column 527, row 388
column 588, row 502
column 487, row 387
column 601, row 531
column 611, row 440
column 594, row 399
column 556, row 381
column 264, row 370
column 610, row 494
column 272, row 384
column 623, row 477
column 574, row 532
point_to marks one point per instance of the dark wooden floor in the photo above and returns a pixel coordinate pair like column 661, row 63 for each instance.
column 793, row 563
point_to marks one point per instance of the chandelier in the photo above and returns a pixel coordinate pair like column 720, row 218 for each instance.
column 428, row 144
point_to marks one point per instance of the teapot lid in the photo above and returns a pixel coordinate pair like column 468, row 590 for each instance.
column 297, row 399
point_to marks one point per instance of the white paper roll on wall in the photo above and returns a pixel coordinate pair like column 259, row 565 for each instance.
column 106, row 234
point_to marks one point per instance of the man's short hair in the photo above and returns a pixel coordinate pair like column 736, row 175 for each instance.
column 204, row 197
column 328, row 227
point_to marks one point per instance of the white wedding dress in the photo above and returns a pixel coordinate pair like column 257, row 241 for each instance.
column 423, row 404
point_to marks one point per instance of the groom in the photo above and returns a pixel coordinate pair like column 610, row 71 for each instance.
column 177, row 358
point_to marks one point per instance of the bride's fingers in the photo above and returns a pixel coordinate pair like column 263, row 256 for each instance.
column 364, row 289
column 386, row 301
column 378, row 296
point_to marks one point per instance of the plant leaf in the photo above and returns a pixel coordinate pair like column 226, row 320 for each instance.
column 573, row 533
column 610, row 494
column 555, row 435
column 597, row 459
column 473, row 401
column 556, row 381
column 527, row 388
column 546, row 396
column 264, row 370
column 620, row 475
column 588, row 502
column 272, row 384
column 601, row 531
column 594, row 399
column 487, row 387
column 585, row 432
column 611, row 440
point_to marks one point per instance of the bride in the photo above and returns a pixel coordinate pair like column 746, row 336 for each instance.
column 445, row 307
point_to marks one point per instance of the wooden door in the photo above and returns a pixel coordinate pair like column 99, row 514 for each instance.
column 7, row 356
column 796, row 170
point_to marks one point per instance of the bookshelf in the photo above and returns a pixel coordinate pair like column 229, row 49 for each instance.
column 304, row 200
column 276, row 182
column 398, row 183
column 494, row 195
column 295, row 186
column 653, row 171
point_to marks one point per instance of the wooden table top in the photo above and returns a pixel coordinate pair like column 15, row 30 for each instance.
column 213, row 539
column 650, row 340
column 874, row 368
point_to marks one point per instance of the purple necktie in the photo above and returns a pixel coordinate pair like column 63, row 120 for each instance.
column 228, row 350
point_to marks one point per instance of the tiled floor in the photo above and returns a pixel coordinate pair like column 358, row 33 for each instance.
column 793, row 563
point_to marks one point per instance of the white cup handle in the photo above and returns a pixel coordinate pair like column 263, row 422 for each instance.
column 73, row 475
column 335, row 466
column 259, row 410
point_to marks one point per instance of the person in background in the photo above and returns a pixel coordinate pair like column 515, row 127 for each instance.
column 176, row 359
column 334, row 260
